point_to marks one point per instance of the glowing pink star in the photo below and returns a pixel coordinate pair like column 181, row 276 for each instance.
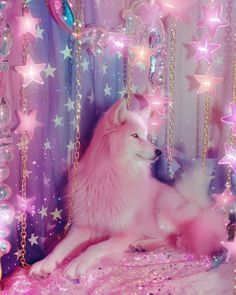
column 231, row 119
column 142, row 54
column 30, row 72
column 193, row 83
column 179, row 9
column 204, row 49
column 207, row 83
column 231, row 247
column 224, row 200
column 229, row 158
column 117, row 43
column 27, row 24
column 212, row 19
column 156, row 101
column 189, row 48
column 28, row 123
column 26, row 205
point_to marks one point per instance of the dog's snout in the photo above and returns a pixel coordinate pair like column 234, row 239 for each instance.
column 158, row 153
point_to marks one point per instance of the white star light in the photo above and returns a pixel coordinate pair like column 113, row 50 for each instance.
column 85, row 65
column 70, row 105
column 107, row 90
column 66, row 52
column 33, row 239
column 104, row 69
column 43, row 212
column 57, row 121
column 49, row 71
column 56, row 214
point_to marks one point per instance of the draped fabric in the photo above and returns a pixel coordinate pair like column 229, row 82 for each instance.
column 102, row 84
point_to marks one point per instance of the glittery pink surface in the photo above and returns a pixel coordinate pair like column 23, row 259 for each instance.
column 163, row 272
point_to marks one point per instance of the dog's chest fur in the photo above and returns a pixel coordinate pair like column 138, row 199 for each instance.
column 112, row 201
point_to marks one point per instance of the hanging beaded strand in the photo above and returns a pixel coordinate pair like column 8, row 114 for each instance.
column 171, row 94
column 76, row 155
column 128, row 71
column 24, row 140
column 205, row 131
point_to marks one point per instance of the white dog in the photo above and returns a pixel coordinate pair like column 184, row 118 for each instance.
column 118, row 202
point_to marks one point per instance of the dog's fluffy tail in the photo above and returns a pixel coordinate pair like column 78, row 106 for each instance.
column 203, row 233
column 193, row 187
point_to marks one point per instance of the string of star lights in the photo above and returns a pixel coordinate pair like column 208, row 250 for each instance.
column 7, row 211
column 29, row 73
column 204, row 50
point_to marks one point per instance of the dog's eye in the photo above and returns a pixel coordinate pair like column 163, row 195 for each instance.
column 135, row 135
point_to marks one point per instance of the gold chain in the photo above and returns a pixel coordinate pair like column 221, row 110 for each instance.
column 24, row 148
column 205, row 132
column 76, row 155
column 172, row 91
column 129, row 69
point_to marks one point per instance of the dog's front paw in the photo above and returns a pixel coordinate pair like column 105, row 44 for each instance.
column 75, row 268
column 42, row 268
column 137, row 246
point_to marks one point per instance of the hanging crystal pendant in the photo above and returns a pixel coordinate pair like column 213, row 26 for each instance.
column 5, row 113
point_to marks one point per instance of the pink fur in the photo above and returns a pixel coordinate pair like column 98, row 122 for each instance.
column 118, row 202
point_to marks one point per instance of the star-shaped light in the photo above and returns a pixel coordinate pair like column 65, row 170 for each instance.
column 49, row 71
column 39, row 33
column 179, row 9
column 27, row 24
column 70, row 146
column 26, row 205
column 47, row 145
column 70, row 104
column 57, row 121
column 104, row 69
column 231, row 119
column 224, row 200
column 56, row 214
column 85, row 65
column 141, row 55
column 66, row 52
column 30, row 71
column 207, row 83
column 204, row 49
column 91, row 98
column 156, row 101
column 229, row 158
column 33, row 239
column 231, row 247
column 117, row 42
column 43, row 212
column 28, row 123
column 189, row 48
column 212, row 19
column 18, row 254
column 107, row 90
column 193, row 83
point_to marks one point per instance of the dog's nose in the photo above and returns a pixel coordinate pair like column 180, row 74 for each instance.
column 158, row 153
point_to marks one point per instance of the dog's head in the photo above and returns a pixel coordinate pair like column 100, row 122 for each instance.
column 127, row 132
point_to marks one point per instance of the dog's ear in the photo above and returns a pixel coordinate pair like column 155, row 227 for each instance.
column 145, row 113
column 119, row 112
